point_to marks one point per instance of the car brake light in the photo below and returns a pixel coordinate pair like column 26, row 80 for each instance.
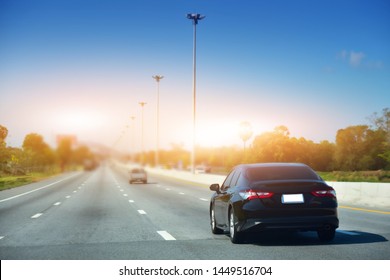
column 324, row 193
column 251, row 194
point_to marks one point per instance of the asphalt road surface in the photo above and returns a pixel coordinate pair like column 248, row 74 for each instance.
column 99, row 215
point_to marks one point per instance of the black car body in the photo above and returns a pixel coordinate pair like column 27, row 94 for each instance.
column 258, row 197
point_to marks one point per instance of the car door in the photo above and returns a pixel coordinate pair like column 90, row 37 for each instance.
column 221, row 201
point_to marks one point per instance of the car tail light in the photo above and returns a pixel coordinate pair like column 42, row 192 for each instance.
column 251, row 194
column 324, row 193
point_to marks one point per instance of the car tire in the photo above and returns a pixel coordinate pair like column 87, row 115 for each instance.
column 326, row 235
column 235, row 236
column 213, row 223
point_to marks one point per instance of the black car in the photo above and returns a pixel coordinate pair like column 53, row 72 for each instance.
column 263, row 196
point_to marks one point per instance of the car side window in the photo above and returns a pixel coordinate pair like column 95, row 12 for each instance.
column 226, row 183
column 235, row 178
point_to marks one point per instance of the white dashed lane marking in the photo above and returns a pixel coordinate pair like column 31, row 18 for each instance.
column 203, row 199
column 166, row 235
column 36, row 215
column 68, row 196
column 142, row 212
column 57, row 203
column 131, row 201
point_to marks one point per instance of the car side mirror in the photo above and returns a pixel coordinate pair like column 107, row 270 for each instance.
column 215, row 187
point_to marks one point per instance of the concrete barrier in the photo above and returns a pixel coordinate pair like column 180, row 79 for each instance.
column 363, row 194
column 376, row 195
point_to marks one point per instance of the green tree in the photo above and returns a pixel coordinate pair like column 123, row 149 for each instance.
column 381, row 123
column 38, row 153
column 273, row 146
column 64, row 152
column 3, row 134
column 359, row 148
column 4, row 153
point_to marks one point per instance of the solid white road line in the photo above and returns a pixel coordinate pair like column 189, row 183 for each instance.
column 41, row 188
column 166, row 235
column 57, row 203
column 142, row 212
column 36, row 215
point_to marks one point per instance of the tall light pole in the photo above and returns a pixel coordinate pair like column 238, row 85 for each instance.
column 246, row 133
column 142, row 131
column 195, row 18
column 156, row 159
column 132, row 118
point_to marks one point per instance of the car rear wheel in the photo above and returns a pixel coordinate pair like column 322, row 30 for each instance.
column 235, row 236
column 326, row 234
column 213, row 223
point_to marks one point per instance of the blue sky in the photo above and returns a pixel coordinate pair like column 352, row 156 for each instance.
column 81, row 67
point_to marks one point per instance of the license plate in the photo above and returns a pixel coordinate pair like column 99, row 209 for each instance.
column 292, row 198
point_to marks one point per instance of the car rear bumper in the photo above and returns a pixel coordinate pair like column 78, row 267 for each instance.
column 296, row 223
column 138, row 179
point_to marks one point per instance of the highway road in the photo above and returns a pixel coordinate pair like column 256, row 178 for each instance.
column 99, row 215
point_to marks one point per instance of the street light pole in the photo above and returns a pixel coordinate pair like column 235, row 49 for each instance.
column 132, row 138
column 142, row 131
column 156, row 158
column 195, row 18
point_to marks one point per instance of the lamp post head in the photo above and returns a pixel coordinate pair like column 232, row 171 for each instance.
column 195, row 17
column 142, row 103
column 157, row 78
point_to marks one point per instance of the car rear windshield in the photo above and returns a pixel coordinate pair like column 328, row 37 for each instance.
column 137, row 171
column 270, row 173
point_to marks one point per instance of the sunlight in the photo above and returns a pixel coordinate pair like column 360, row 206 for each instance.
column 78, row 121
column 217, row 134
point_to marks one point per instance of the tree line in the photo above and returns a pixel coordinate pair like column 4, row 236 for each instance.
column 37, row 156
column 359, row 147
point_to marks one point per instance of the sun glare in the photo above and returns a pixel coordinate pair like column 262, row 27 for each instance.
column 217, row 134
column 75, row 122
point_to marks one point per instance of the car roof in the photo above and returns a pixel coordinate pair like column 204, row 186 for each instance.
column 270, row 164
column 278, row 171
column 137, row 169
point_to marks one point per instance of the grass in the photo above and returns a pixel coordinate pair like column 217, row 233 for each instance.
column 378, row 176
column 10, row 181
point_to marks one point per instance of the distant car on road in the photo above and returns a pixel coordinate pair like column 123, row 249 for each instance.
column 138, row 175
column 282, row 196
column 199, row 169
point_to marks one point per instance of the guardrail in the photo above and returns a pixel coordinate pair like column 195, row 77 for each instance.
column 351, row 193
